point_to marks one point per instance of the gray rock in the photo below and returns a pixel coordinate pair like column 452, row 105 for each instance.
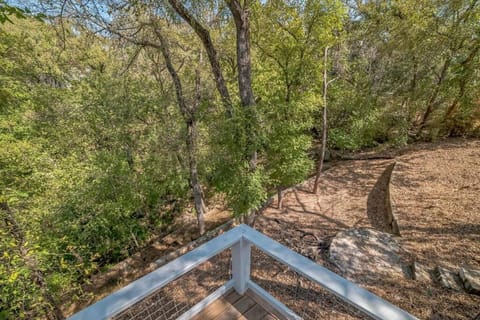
column 471, row 280
column 421, row 272
column 310, row 252
column 449, row 279
column 366, row 253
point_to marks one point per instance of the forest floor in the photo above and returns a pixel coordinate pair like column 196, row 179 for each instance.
column 436, row 189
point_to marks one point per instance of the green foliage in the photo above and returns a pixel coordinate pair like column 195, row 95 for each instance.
column 289, row 38
column 93, row 158
column 288, row 140
column 232, row 173
column 7, row 10
column 410, row 61
column 87, row 161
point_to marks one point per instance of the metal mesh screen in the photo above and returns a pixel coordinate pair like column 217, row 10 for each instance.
column 180, row 295
column 306, row 298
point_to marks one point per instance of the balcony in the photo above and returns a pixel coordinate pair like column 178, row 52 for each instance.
column 242, row 274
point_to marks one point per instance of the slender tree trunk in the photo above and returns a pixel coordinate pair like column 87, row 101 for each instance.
column 198, row 99
column 242, row 24
column 448, row 118
column 37, row 278
column 410, row 96
column 212, row 54
column 194, row 180
column 279, row 197
column 325, row 128
column 204, row 206
column 433, row 99
column 191, row 141
column 130, row 160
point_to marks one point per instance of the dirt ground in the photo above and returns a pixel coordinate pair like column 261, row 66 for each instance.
column 435, row 188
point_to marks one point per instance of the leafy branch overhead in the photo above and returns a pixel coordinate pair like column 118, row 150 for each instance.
column 7, row 11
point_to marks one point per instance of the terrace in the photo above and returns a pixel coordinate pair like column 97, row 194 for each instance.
column 242, row 274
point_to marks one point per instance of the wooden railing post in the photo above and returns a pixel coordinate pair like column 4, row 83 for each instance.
column 241, row 265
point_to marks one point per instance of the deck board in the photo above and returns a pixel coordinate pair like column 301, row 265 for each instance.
column 212, row 310
column 257, row 312
column 234, row 306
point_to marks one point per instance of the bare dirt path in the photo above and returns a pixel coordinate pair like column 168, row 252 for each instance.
column 436, row 189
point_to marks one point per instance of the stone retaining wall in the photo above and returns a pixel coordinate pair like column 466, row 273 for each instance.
column 380, row 207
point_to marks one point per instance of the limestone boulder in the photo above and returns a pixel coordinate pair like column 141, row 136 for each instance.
column 363, row 254
column 421, row 272
column 471, row 280
column 449, row 279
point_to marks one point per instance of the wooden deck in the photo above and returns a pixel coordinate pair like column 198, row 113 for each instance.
column 234, row 306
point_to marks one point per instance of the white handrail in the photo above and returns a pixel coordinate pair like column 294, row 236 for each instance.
column 141, row 288
column 349, row 292
column 240, row 239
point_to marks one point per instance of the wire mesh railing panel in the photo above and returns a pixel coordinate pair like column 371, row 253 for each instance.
column 180, row 295
column 303, row 296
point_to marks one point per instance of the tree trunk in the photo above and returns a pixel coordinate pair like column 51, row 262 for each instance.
column 279, row 197
column 52, row 311
column 324, row 129
column 194, row 181
column 129, row 155
column 448, row 118
column 191, row 140
column 204, row 206
column 433, row 99
column 240, row 16
column 212, row 54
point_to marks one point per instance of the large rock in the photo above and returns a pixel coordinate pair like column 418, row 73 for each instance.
column 471, row 280
column 364, row 254
column 421, row 272
column 449, row 279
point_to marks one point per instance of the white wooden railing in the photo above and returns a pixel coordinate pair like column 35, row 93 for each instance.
column 240, row 239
